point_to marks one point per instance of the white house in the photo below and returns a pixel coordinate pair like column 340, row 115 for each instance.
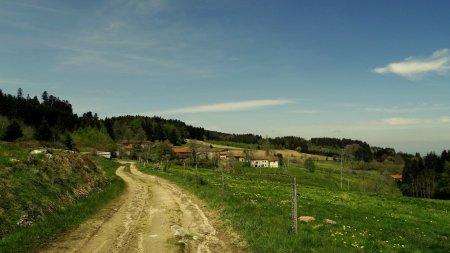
column 265, row 162
column 223, row 155
column 103, row 154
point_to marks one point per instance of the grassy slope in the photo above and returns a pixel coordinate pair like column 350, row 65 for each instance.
column 232, row 145
column 223, row 145
column 32, row 193
column 259, row 209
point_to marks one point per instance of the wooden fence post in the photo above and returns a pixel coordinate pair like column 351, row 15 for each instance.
column 223, row 182
column 294, row 205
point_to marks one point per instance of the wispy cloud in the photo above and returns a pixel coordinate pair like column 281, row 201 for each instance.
column 228, row 107
column 38, row 7
column 20, row 83
column 408, row 109
column 301, row 111
column 444, row 119
column 438, row 62
column 401, row 121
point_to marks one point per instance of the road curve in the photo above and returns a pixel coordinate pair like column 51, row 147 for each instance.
column 152, row 215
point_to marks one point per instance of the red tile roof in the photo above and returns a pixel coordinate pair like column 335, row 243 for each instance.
column 397, row 177
column 182, row 150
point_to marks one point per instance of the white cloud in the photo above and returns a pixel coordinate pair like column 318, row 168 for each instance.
column 444, row 119
column 438, row 63
column 401, row 121
column 227, row 107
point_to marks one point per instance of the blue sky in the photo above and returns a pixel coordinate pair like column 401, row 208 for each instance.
column 371, row 70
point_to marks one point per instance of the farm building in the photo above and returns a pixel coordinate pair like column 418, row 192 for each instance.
column 182, row 153
column 238, row 155
column 397, row 177
column 265, row 161
column 103, row 154
column 223, row 155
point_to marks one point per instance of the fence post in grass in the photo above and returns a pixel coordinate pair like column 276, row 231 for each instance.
column 223, row 181
column 294, row 205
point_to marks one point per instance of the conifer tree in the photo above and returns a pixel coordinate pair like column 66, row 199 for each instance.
column 13, row 132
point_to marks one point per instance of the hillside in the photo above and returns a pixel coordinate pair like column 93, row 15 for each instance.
column 229, row 145
column 45, row 193
column 369, row 211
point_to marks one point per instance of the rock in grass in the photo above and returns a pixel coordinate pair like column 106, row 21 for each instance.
column 38, row 151
column 306, row 219
column 328, row 221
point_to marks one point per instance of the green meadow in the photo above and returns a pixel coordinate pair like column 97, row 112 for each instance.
column 370, row 213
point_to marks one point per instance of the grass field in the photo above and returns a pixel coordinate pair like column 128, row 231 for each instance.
column 224, row 145
column 41, row 197
column 378, row 220
column 232, row 145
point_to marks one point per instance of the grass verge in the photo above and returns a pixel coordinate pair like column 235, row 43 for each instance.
column 28, row 238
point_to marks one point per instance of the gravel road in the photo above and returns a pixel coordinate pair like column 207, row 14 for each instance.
column 152, row 215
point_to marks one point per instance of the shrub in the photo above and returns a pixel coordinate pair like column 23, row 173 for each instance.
column 309, row 165
column 13, row 132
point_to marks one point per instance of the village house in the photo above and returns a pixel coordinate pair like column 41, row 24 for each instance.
column 223, row 155
column 182, row 153
column 103, row 154
column 397, row 177
column 238, row 155
column 264, row 162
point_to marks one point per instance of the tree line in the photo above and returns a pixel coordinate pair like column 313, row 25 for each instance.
column 426, row 177
column 52, row 121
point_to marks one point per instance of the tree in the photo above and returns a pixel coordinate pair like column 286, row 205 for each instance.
column 162, row 150
column 89, row 138
column 194, row 155
column 44, row 97
column 20, row 93
column 122, row 131
column 43, row 132
column 13, row 132
column 68, row 142
column 310, row 165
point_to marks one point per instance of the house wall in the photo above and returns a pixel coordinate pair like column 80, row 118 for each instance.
column 273, row 164
column 259, row 163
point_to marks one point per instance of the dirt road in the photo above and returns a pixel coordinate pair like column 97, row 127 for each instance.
column 153, row 215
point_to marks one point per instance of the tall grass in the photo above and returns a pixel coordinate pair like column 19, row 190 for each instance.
column 58, row 216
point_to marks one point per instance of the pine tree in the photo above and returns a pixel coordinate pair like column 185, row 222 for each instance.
column 13, row 132
column 19, row 93
column 43, row 132
column 68, row 142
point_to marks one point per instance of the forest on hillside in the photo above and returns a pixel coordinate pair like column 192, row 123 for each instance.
column 51, row 120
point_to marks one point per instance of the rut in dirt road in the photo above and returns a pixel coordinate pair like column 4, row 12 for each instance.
column 153, row 215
